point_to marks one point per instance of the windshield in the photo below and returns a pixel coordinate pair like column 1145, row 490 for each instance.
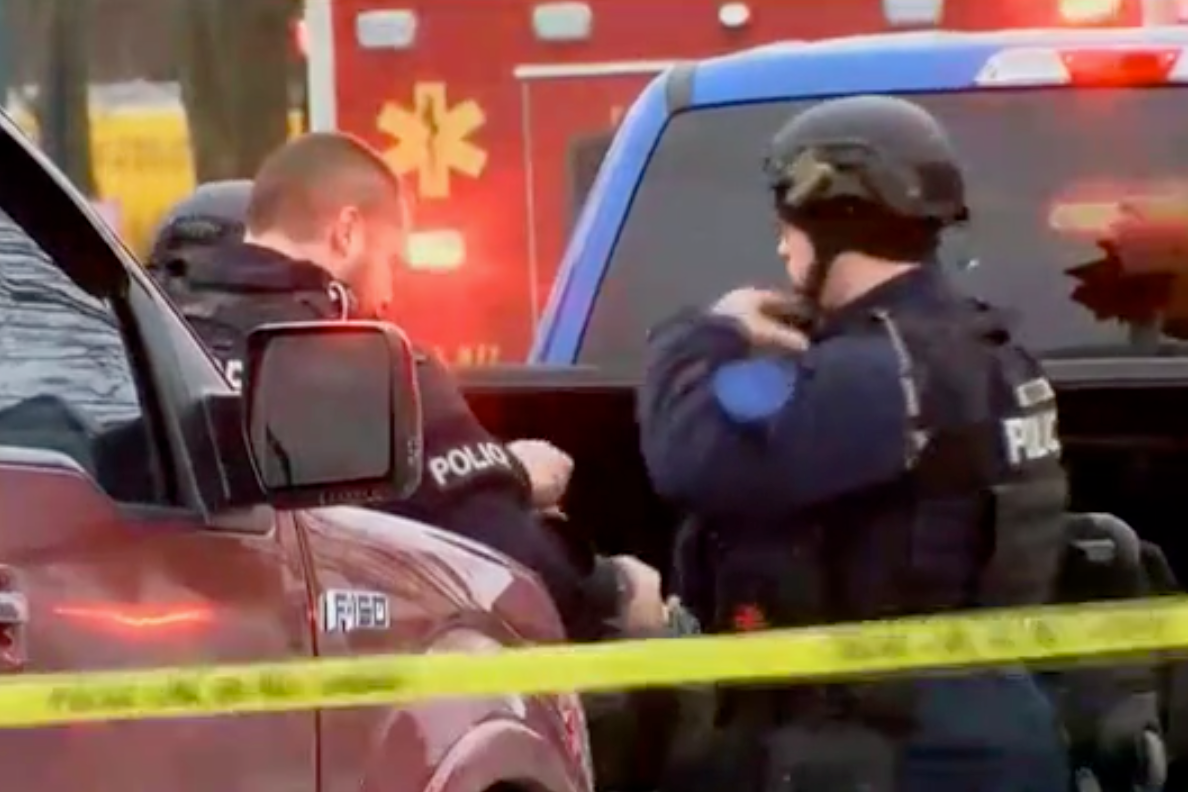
column 1052, row 174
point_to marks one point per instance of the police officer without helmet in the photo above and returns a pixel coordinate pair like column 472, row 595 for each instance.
column 867, row 445
column 318, row 235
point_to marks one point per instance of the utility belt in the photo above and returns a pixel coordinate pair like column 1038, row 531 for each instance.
column 888, row 707
column 771, row 585
column 912, row 561
column 819, row 738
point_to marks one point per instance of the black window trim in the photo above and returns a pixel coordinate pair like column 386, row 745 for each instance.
column 1133, row 372
column 197, row 415
column 50, row 210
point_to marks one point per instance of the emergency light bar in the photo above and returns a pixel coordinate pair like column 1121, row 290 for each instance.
column 1083, row 12
column 565, row 21
column 435, row 251
column 913, row 13
column 1101, row 66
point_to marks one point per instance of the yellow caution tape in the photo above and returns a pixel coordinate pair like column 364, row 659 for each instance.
column 855, row 650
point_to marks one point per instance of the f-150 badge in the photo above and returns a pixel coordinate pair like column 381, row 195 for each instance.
column 347, row 610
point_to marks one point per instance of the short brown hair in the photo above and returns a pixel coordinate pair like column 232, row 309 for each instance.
column 313, row 175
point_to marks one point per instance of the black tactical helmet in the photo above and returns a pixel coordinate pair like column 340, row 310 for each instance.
column 879, row 151
column 214, row 213
column 866, row 174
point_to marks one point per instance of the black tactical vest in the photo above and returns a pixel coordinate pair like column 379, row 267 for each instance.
column 223, row 318
column 226, row 321
column 976, row 521
column 988, row 468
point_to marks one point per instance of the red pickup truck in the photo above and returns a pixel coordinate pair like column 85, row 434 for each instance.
column 151, row 518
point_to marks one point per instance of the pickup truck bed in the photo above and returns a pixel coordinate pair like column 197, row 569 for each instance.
column 1126, row 445
column 678, row 216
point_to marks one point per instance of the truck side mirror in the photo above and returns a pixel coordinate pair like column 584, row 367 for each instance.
column 332, row 413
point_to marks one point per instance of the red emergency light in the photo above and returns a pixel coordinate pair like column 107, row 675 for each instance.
column 1120, row 67
column 1101, row 66
column 300, row 33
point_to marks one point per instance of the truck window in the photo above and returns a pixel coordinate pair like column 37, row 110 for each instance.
column 585, row 158
column 68, row 383
column 1046, row 169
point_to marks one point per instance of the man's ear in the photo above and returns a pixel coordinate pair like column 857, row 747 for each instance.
column 346, row 231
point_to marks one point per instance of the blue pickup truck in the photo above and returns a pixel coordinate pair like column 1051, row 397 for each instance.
column 1067, row 135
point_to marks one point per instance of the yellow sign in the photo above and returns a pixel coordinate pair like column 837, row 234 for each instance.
column 143, row 163
column 433, row 139
column 1132, row 629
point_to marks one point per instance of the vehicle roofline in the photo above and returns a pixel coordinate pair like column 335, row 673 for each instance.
column 621, row 68
column 896, row 63
column 937, row 43
column 842, row 66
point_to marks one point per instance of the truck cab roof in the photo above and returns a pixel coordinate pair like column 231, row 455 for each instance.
column 685, row 163
column 947, row 45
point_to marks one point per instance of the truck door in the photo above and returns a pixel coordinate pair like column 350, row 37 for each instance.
column 378, row 596
column 567, row 111
column 103, row 565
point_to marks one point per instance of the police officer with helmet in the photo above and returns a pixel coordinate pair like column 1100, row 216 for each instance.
column 871, row 444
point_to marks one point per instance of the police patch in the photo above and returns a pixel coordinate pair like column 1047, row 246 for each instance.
column 754, row 389
column 467, row 463
column 1031, row 438
column 1034, row 393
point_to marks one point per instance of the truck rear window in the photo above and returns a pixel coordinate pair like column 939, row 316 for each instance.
column 1048, row 171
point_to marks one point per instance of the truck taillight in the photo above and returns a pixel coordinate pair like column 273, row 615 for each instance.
column 1108, row 66
column 435, row 251
column 1087, row 12
column 137, row 619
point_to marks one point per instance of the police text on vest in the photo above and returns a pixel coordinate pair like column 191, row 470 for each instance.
column 1031, row 438
column 462, row 464
column 234, row 371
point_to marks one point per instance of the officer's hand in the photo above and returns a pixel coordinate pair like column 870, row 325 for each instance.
column 764, row 316
column 644, row 610
column 680, row 620
column 549, row 470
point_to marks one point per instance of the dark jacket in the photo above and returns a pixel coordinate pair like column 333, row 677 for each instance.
column 906, row 463
column 912, row 407
column 472, row 486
